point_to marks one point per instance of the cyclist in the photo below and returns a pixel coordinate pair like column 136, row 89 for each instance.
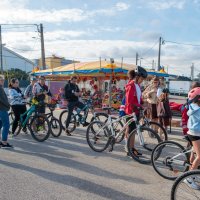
column 194, row 132
column 134, row 99
column 40, row 90
column 72, row 94
column 17, row 102
column 4, row 118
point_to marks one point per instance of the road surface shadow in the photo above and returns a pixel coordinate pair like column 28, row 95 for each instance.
column 81, row 184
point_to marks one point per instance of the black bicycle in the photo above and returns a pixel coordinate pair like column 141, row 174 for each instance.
column 80, row 116
column 55, row 125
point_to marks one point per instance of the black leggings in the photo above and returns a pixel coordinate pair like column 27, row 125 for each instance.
column 18, row 110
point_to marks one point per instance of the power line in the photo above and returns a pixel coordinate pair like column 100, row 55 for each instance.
column 149, row 49
column 196, row 45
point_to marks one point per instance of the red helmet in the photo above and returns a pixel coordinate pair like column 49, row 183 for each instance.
column 194, row 93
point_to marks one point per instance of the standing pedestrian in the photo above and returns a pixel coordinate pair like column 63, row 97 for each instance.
column 28, row 93
column 4, row 118
column 163, row 110
column 152, row 100
column 17, row 102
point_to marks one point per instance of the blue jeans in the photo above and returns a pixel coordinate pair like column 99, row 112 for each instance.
column 4, row 122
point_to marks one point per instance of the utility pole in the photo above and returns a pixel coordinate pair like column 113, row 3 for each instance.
column 159, row 53
column 153, row 65
column 1, row 52
column 192, row 72
column 42, row 47
column 136, row 58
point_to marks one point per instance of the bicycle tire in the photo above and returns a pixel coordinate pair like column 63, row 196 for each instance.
column 121, row 137
column 169, row 167
column 177, row 183
column 62, row 121
column 159, row 127
column 39, row 119
column 155, row 138
column 11, row 119
column 55, row 125
column 91, row 126
column 97, row 115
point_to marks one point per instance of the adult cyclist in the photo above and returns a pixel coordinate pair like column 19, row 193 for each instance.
column 133, row 99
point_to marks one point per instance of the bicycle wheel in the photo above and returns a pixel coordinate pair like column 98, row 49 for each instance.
column 40, row 128
column 63, row 118
column 182, row 191
column 102, row 117
column 98, row 138
column 56, row 128
column 11, row 119
column 159, row 129
column 169, row 160
column 117, row 127
column 151, row 139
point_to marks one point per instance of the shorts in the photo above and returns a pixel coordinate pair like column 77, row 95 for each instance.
column 132, row 126
column 193, row 137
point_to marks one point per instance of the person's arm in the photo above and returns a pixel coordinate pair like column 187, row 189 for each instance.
column 4, row 99
column 27, row 91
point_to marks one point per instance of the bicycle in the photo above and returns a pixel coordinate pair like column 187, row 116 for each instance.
column 55, row 125
column 180, row 190
column 170, row 159
column 38, row 124
column 77, row 118
column 105, row 135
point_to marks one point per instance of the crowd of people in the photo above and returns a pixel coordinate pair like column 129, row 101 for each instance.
column 155, row 98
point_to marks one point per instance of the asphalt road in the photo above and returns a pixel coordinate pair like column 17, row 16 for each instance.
column 66, row 168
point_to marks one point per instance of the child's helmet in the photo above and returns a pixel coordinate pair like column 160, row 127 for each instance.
column 194, row 93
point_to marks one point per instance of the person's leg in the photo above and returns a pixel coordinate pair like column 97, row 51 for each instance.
column 70, row 106
column 196, row 162
column 22, row 111
column 16, row 110
column 5, row 124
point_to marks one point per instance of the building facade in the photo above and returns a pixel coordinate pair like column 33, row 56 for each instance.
column 12, row 59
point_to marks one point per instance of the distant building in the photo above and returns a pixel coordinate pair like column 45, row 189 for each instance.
column 53, row 62
column 12, row 59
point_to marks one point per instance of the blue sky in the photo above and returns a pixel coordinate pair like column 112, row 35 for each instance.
column 86, row 30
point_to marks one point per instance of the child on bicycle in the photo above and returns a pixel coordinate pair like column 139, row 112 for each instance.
column 194, row 125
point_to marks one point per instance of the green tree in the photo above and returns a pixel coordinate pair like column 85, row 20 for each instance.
column 16, row 73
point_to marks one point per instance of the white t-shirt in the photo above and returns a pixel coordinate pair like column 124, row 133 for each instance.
column 139, row 92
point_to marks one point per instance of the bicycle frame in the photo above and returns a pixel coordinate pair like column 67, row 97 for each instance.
column 173, row 159
column 29, row 112
column 110, row 123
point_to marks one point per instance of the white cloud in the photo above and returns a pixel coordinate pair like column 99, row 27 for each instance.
column 163, row 4
column 122, row 6
column 12, row 11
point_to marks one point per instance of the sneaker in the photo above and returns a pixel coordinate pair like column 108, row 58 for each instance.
column 68, row 133
column 86, row 124
column 6, row 146
column 190, row 182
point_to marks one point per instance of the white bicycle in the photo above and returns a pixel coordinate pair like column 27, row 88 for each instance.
column 101, row 135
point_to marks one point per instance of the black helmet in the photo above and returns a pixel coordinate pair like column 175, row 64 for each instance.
column 141, row 72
